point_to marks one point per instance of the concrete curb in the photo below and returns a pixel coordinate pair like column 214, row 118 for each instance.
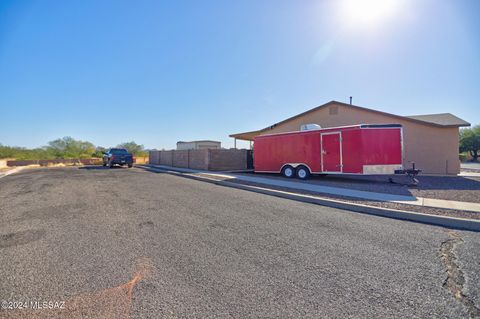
column 444, row 221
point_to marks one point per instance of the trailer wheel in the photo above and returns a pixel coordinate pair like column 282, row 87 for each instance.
column 302, row 172
column 288, row 171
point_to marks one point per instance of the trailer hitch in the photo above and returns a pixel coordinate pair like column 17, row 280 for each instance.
column 411, row 173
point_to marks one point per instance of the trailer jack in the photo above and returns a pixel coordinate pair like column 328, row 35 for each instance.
column 411, row 173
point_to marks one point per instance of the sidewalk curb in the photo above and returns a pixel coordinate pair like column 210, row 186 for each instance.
column 445, row 221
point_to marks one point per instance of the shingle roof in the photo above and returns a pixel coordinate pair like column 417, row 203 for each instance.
column 199, row 141
column 444, row 119
column 439, row 120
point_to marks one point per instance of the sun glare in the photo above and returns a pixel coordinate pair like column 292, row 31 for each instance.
column 368, row 12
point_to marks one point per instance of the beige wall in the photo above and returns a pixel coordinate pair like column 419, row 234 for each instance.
column 211, row 159
column 166, row 158
column 198, row 145
column 224, row 160
column 141, row 160
column 198, row 159
column 154, row 157
column 433, row 149
column 180, row 159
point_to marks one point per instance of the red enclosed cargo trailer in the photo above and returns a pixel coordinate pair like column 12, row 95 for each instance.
column 369, row 149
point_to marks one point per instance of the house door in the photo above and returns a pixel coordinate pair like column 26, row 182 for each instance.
column 331, row 152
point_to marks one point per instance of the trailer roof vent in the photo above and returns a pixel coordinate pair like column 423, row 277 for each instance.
column 308, row 127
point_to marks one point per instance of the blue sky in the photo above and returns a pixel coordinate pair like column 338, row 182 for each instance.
column 161, row 71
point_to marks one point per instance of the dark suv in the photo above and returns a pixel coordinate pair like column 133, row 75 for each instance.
column 118, row 156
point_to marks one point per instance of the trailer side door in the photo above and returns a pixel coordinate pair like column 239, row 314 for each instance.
column 331, row 152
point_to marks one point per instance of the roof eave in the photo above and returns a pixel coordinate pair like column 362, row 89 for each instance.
column 237, row 135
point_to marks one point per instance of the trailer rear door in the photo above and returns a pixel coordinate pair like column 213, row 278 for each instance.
column 331, row 152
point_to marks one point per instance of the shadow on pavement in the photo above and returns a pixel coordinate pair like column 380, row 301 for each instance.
column 151, row 170
column 99, row 167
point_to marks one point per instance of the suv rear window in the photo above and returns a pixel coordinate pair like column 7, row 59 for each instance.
column 118, row 151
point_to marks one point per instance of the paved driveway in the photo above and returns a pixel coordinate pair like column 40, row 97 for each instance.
column 127, row 243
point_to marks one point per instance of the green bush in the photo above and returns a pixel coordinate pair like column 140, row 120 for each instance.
column 134, row 148
column 65, row 148
column 470, row 141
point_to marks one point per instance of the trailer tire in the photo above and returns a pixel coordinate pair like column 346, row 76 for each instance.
column 302, row 172
column 288, row 171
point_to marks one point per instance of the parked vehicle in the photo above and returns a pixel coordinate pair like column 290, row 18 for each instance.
column 119, row 156
column 369, row 149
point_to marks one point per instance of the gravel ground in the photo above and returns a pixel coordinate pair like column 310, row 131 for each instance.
column 470, row 165
column 412, row 208
column 466, row 189
column 470, row 170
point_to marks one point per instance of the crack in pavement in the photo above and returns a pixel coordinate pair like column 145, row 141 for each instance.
column 455, row 279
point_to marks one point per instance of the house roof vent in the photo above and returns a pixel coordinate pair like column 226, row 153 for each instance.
column 308, row 127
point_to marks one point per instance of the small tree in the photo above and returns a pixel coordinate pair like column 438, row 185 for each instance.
column 99, row 151
column 68, row 147
column 134, row 148
column 470, row 141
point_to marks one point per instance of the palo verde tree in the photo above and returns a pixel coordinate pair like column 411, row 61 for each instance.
column 22, row 153
column 68, row 147
column 99, row 151
column 134, row 148
column 470, row 141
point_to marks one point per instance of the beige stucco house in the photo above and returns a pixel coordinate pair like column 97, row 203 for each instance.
column 198, row 145
column 431, row 141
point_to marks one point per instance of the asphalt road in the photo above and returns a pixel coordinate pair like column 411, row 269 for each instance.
column 128, row 243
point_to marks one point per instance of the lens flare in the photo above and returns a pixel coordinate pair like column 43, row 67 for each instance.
column 368, row 12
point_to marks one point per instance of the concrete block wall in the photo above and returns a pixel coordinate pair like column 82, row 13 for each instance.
column 180, row 159
column 84, row 161
column 154, row 157
column 208, row 159
column 166, row 158
column 199, row 159
column 225, row 160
